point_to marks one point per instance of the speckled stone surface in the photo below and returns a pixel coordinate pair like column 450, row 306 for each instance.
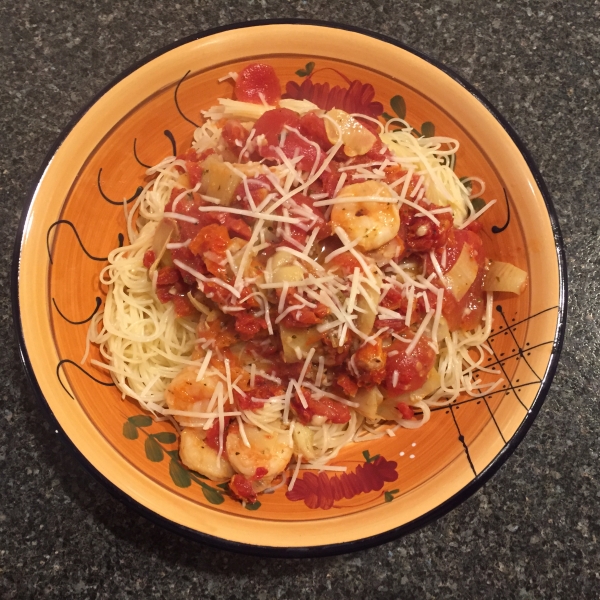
column 531, row 532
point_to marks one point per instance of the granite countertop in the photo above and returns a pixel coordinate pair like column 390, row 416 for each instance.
column 530, row 532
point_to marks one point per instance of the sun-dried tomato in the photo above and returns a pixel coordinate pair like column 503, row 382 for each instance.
column 258, row 187
column 168, row 276
column 149, row 258
column 217, row 293
column 212, row 238
column 222, row 332
column 249, row 326
column 235, row 135
column 305, row 316
column 420, row 233
column 348, row 385
column 183, row 306
column 242, row 489
column 263, row 389
column 467, row 313
column 212, row 435
column 406, row 373
column 194, row 171
column 405, row 410
column 346, row 263
column 332, row 410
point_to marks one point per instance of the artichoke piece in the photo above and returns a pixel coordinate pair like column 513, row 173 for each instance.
column 218, row 180
column 368, row 400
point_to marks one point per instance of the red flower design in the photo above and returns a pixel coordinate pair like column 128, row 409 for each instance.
column 358, row 98
column 321, row 491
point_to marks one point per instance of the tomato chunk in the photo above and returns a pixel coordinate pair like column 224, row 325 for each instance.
column 346, row 262
column 272, row 123
column 258, row 188
column 255, row 80
column 313, row 127
column 212, row 238
column 149, row 258
column 295, row 146
column 249, row 326
column 332, row 410
column 212, row 435
column 242, row 488
column 420, row 233
column 183, row 306
column 167, row 275
column 347, row 384
column 467, row 313
column 235, row 135
column 263, row 390
column 408, row 373
column 194, row 171
column 405, row 410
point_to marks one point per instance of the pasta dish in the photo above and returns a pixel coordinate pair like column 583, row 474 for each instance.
column 301, row 278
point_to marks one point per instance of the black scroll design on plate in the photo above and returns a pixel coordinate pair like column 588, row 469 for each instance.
column 168, row 134
column 117, row 203
column 495, row 228
column 461, row 439
column 137, row 158
column 98, row 304
column 71, row 362
column 521, row 351
column 171, row 137
column 70, row 224
column 514, row 387
column 177, row 102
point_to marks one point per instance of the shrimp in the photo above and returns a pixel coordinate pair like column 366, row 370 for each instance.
column 197, row 455
column 187, row 394
column 266, row 451
column 374, row 223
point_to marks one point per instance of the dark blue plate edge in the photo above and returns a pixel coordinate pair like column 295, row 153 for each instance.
column 329, row 549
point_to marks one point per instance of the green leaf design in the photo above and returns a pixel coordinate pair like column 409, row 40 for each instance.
column 478, row 204
column 254, row 506
column 386, row 116
column 398, row 106
column 308, row 69
column 388, row 497
column 181, row 478
column 140, row 421
column 130, row 431
column 223, row 486
column 212, row 495
column 428, row 129
column 165, row 437
column 368, row 457
column 153, row 451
